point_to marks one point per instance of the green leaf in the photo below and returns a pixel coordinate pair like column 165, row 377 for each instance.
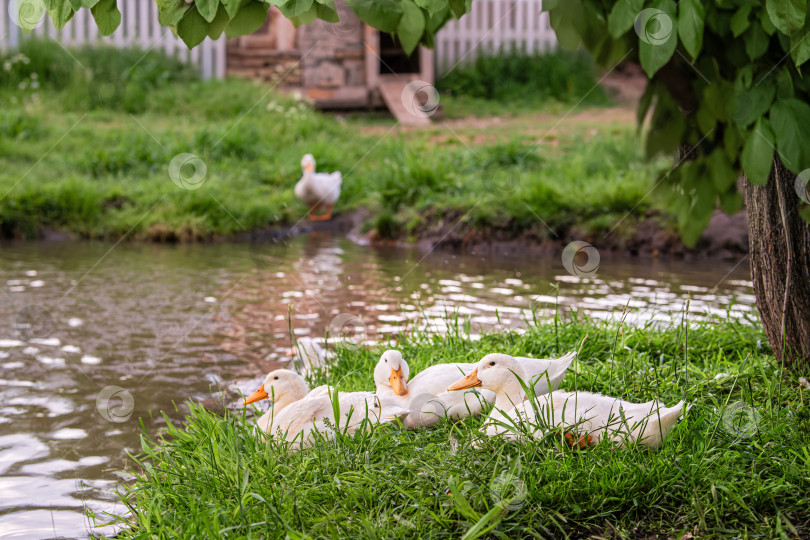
column 722, row 173
column 716, row 96
column 381, row 14
column 756, row 41
column 249, row 19
column 233, row 6
column 295, row 8
column 697, row 203
column 207, row 8
column 78, row 4
column 748, row 105
column 740, row 22
column 731, row 201
column 435, row 22
column 690, row 25
column 800, row 47
column 107, row 16
column 59, row 11
column 767, row 24
column 758, row 152
column 786, row 15
column 564, row 19
column 622, row 16
column 192, row 29
column 326, row 10
column 790, row 120
column 784, row 85
column 432, row 7
column 411, row 26
column 459, row 7
column 305, row 18
column 706, row 119
column 217, row 25
column 171, row 11
column 732, row 141
column 658, row 35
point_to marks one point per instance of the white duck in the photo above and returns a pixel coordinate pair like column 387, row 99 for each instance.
column 589, row 416
column 319, row 191
column 427, row 397
column 296, row 411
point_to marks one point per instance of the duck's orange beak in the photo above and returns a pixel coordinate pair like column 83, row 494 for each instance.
column 309, row 167
column 470, row 381
column 397, row 383
column 258, row 395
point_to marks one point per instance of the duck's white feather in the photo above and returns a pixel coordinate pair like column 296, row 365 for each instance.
column 586, row 415
column 317, row 189
column 428, row 399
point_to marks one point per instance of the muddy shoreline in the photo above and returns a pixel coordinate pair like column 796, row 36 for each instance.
column 725, row 238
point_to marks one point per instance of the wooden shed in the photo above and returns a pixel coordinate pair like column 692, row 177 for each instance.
column 344, row 65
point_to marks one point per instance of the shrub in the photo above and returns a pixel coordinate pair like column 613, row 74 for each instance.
column 93, row 76
column 517, row 76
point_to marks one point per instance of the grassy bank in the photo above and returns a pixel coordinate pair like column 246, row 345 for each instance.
column 714, row 477
column 87, row 151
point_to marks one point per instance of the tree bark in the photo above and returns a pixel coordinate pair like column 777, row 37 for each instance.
column 779, row 250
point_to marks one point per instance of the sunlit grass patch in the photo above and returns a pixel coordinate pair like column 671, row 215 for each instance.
column 717, row 474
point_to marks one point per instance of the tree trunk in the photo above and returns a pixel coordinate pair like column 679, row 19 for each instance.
column 779, row 250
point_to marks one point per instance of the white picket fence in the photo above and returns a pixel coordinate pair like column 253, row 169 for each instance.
column 139, row 27
column 491, row 26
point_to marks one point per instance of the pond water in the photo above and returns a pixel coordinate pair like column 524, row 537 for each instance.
column 91, row 331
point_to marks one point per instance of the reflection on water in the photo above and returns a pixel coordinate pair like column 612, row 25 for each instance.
column 91, row 340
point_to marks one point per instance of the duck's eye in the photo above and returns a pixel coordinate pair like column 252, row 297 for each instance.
column 275, row 378
column 492, row 363
column 385, row 360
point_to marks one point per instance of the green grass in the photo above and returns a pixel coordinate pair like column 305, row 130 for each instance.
column 213, row 476
column 516, row 81
column 98, row 168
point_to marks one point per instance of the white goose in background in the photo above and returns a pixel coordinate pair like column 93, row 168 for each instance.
column 319, row 191
column 428, row 399
column 590, row 416
column 296, row 411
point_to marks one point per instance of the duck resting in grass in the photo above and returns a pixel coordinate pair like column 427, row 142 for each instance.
column 428, row 399
column 585, row 417
column 319, row 191
column 296, row 411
